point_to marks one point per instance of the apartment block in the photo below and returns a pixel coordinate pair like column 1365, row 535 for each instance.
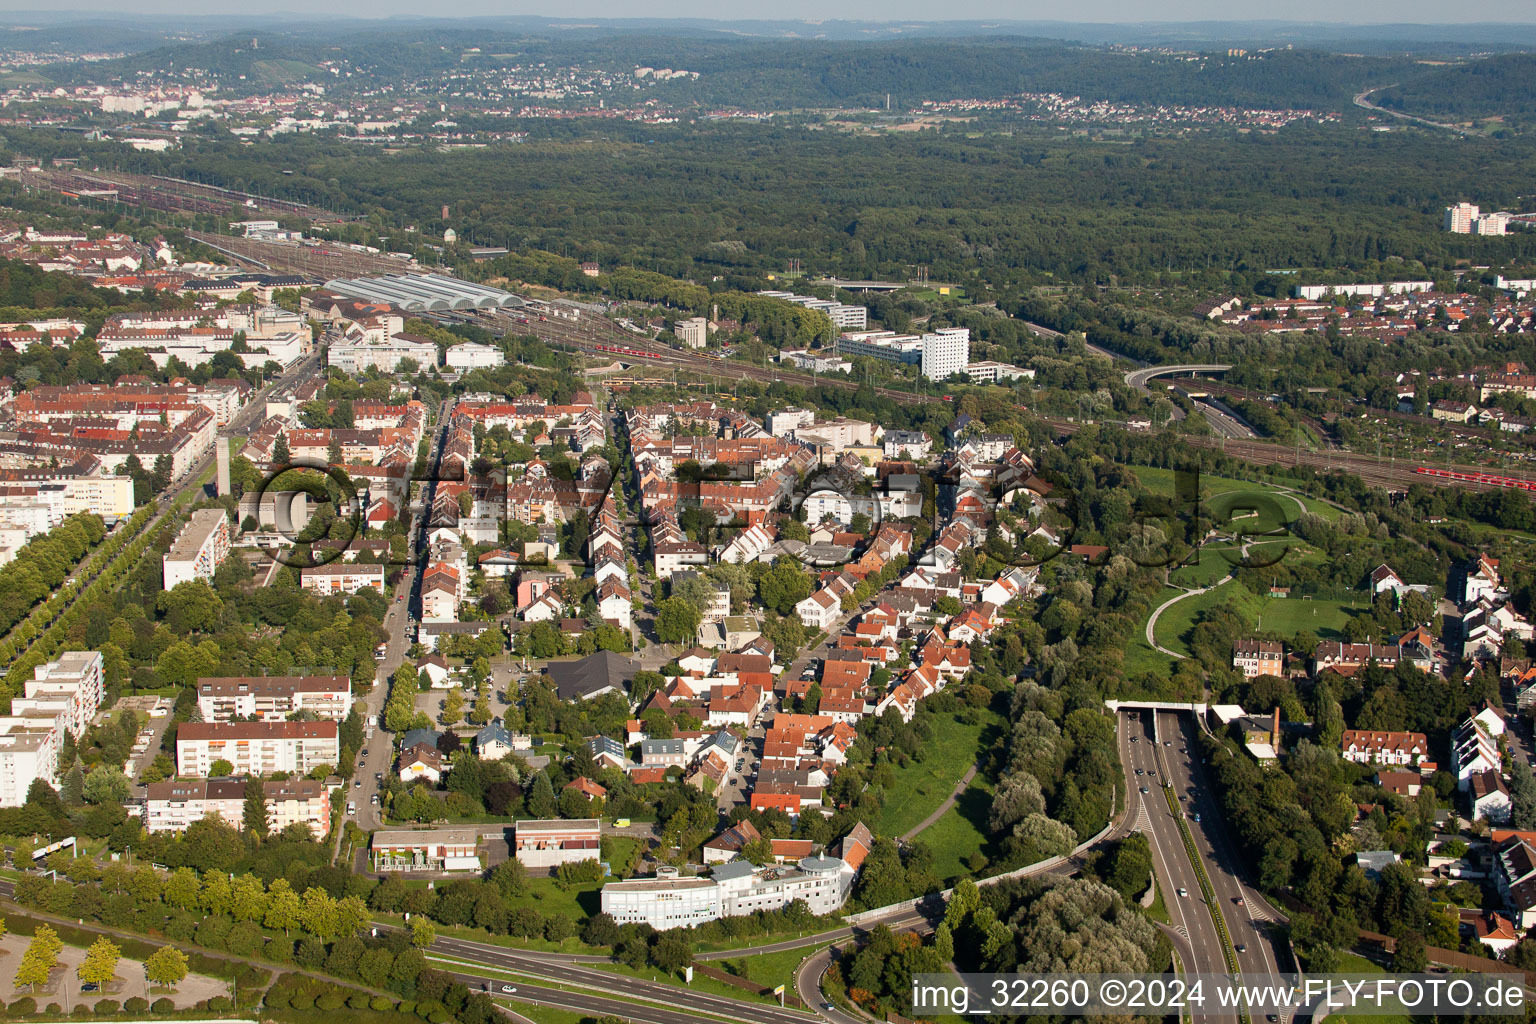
column 198, row 549
column 61, row 698
column 172, row 806
column 938, row 355
column 72, row 684
column 342, row 578
column 273, row 698
column 257, row 748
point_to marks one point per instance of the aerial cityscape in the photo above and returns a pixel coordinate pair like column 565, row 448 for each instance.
column 670, row 521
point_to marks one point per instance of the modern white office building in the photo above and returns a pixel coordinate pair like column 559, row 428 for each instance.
column 357, row 355
column 473, row 356
column 843, row 317
column 734, row 889
column 939, row 354
column 198, row 549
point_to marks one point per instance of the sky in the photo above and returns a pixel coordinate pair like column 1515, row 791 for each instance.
column 1116, row 11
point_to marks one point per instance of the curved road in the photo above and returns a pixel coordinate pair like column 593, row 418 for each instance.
column 1138, row 378
column 1365, row 104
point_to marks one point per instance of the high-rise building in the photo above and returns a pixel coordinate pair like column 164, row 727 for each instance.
column 1459, row 218
column 61, row 697
column 199, row 548
column 945, row 352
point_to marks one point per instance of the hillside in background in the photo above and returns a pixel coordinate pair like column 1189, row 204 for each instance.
column 1502, row 86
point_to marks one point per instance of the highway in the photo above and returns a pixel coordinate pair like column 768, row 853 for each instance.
column 1171, row 753
column 1223, row 422
column 1250, row 920
column 563, row 970
column 1191, row 929
column 1362, row 102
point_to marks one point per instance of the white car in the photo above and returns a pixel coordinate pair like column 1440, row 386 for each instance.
column 509, row 989
column 1183, row 892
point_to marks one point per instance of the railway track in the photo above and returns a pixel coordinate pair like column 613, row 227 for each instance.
column 598, row 336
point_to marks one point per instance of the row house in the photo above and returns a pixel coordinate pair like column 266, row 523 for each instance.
column 1346, row 658
column 1371, row 746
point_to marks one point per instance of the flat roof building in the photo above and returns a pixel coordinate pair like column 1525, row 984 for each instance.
column 198, row 549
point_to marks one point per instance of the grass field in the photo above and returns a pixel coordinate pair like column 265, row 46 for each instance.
column 918, row 788
column 960, row 833
column 1160, row 481
column 1354, row 963
column 1287, row 616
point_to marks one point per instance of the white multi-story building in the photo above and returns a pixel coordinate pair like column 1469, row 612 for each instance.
column 60, row 699
column 198, row 549
column 342, row 578
column 172, row 806
column 354, row 356
column 71, row 684
column 783, row 421
column 735, row 889
column 940, row 354
column 693, row 332
column 273, row 698
column 257, row 748
column 946, row 352
column 29, row 750
column 473, row 356
column 843, row 317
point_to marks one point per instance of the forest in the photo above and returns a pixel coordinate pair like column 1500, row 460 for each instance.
column 988, row 212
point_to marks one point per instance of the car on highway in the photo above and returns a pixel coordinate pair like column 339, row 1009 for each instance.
column 1240, row 948
column 827, row 1006
column 1140, row 772
column 1144, row 789
column 509, row 988
column 1151, row 771
column 1183, row 892
column 358, row 784
column 1238, row 901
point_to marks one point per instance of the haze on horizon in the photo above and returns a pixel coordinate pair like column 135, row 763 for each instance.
column 1358, row 12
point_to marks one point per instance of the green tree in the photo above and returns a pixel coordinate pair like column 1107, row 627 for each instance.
column 166, row 966
column 423, row 934
column 100, row 963
column 284, row 908
column 677, row 621
column 40, row 959
column 317, row 913
column 257, row 821
column 106, row 785
column 541, row 797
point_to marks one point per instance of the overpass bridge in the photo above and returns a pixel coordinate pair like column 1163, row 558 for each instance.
column 1138, row 378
